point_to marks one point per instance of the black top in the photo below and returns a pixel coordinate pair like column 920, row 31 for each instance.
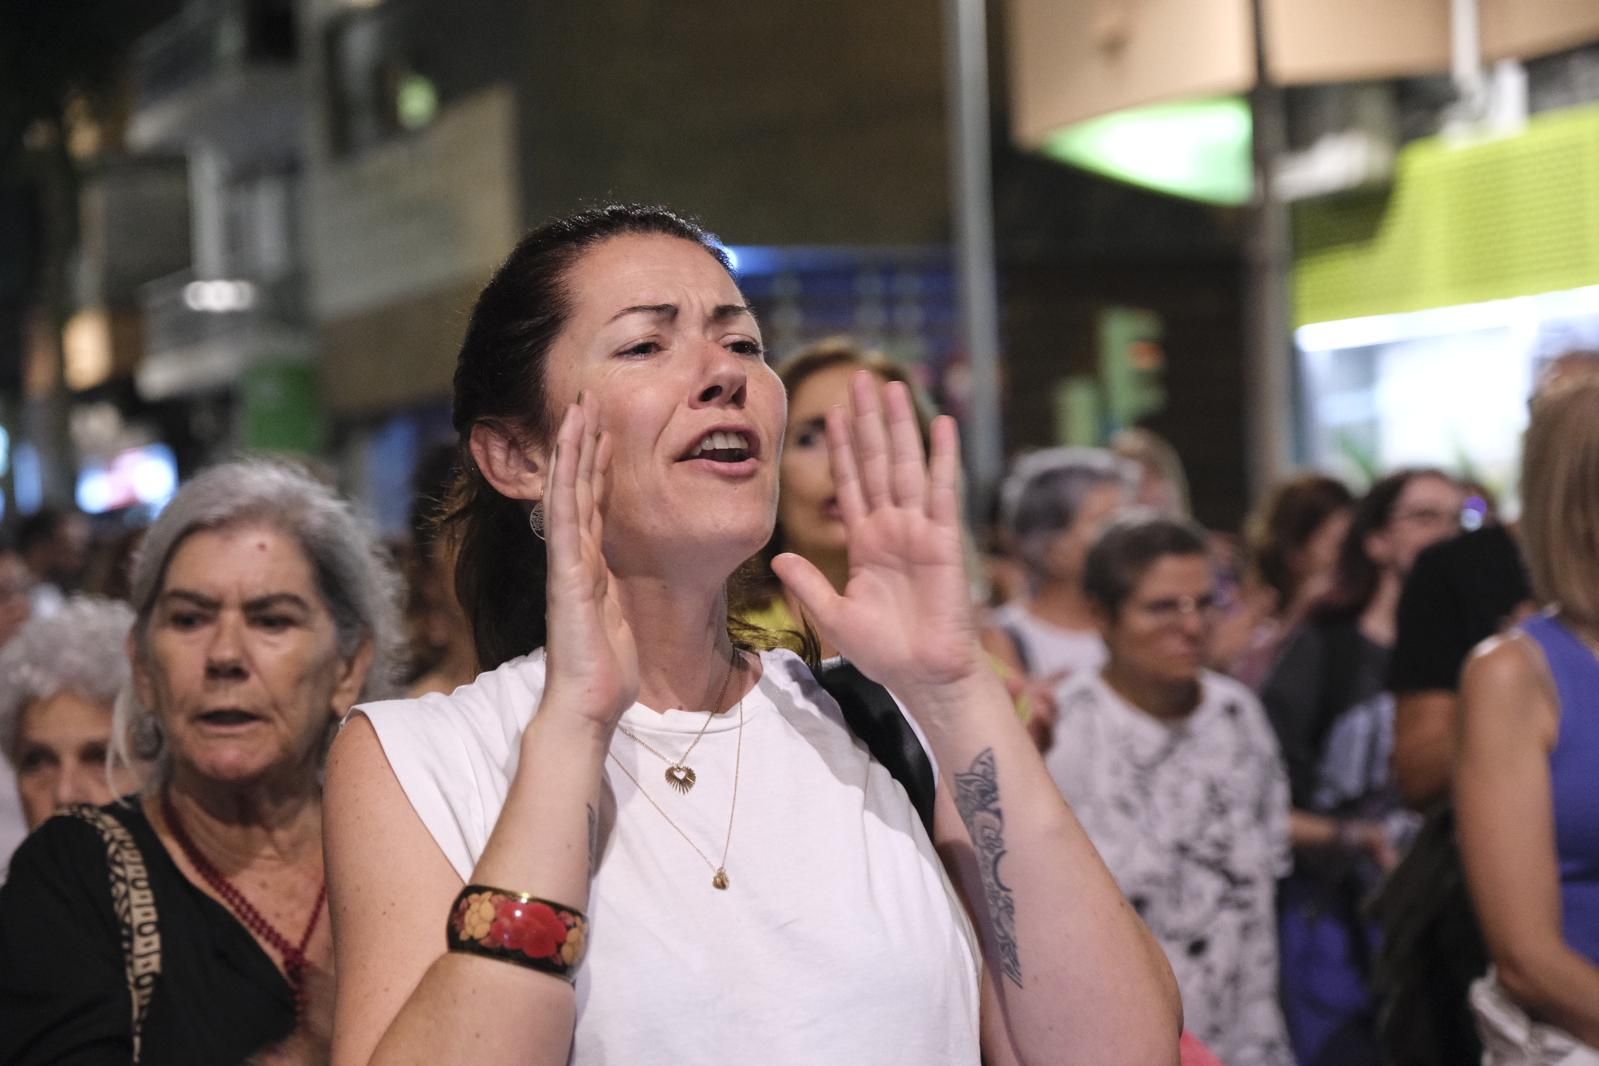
column 63, row 988
column 1326, row 668
column 1459, row 593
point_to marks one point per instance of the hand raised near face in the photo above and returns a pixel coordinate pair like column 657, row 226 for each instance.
column 905, row 616
column 591, row 659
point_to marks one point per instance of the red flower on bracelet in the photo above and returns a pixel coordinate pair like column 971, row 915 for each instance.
column 531, row 928
column 547, row 935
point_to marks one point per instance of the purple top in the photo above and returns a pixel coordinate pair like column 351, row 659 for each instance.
column 1574, row 779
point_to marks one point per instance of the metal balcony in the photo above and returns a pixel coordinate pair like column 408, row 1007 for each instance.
column 204, row 333
column 223, row 72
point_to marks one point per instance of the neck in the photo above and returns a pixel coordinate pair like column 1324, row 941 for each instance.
column 260, row 824
column 1061, row 602
column 1379, row 622
column 1164, row 700
column 682, row 642
column 459, row 663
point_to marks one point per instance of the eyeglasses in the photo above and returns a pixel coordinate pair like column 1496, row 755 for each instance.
column 1172, row 610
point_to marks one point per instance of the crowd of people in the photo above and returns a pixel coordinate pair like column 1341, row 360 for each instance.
column 695, row 714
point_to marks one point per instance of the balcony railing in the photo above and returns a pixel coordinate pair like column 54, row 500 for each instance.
column 209, row 38
column 201, row 332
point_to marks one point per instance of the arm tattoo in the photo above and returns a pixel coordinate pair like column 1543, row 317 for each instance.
column 977, row 799
column 594, row 839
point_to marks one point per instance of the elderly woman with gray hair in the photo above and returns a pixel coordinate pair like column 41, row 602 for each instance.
column 187, row 925
column 1053, row 504
column 58, row 680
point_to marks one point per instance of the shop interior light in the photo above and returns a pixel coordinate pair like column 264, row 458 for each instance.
column 1199, row 149
column 1443, row 321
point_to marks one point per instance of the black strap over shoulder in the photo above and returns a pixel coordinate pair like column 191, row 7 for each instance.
column 874, row 717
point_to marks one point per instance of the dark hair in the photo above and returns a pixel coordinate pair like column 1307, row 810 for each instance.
column 1128, row 547
column 435, row 473
column 500, row 380
column 1285, row 523
column 1356, row 578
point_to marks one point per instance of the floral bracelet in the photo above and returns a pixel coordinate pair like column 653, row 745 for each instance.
column 516, row 927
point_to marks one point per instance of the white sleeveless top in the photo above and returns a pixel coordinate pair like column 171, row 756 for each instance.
column 840, row 938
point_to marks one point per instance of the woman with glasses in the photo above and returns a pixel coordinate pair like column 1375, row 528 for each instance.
column 1326, row 700
column 1174, row 773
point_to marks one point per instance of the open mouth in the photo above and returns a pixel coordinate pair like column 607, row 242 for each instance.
column 723, row 446
column 228, row 717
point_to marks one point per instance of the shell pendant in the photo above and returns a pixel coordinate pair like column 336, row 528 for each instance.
column 680, row 777
column 720, row 880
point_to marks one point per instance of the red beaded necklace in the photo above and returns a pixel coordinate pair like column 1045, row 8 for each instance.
column 294, row 960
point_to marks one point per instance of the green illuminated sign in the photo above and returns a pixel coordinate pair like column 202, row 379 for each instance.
column 1199, row 149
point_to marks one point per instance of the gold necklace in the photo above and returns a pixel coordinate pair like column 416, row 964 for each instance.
column 678, row 773
column 718, row 872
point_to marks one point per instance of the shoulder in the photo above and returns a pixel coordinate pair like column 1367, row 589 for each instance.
column 452, row 755
column 1083, row 698
column 1233, row 699
column 68, row 858
column 1503, row 663
column 1084, row 686
column 489, row 713
column 1504, row 670
column 1507, row 694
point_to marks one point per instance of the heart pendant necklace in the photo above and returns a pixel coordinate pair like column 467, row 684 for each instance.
column 679, row 774
column 719, row 878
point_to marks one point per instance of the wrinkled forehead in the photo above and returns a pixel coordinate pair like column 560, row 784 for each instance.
column 245, row 556
column 648, row 270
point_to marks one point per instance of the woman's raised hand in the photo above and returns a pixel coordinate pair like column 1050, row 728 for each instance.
column 905, row 615
column 591, row 659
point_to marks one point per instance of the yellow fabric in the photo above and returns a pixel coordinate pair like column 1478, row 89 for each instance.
column 774, row 617
column 777, row 619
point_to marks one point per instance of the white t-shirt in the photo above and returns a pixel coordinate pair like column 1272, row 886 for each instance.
column 840, row 938
column 1192, row 820
column 1048, row 650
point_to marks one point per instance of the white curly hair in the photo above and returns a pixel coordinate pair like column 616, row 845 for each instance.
column 357, row 580
column 81, row 648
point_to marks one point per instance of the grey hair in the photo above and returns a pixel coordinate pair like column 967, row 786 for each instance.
column 1046, row 489
column 80, row 648
column 356, row 579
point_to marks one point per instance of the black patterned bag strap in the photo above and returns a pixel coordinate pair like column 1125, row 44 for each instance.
column 134, row 903
column 874, row 717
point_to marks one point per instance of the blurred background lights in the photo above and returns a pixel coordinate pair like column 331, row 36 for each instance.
column 219, row 295
column 146, row 475
column 416, row 101
column 1199, row 149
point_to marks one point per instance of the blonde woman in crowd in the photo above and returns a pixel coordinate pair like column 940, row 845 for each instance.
column 1526, row 791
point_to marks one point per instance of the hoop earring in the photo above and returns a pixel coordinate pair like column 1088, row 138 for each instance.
column 535, row 520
